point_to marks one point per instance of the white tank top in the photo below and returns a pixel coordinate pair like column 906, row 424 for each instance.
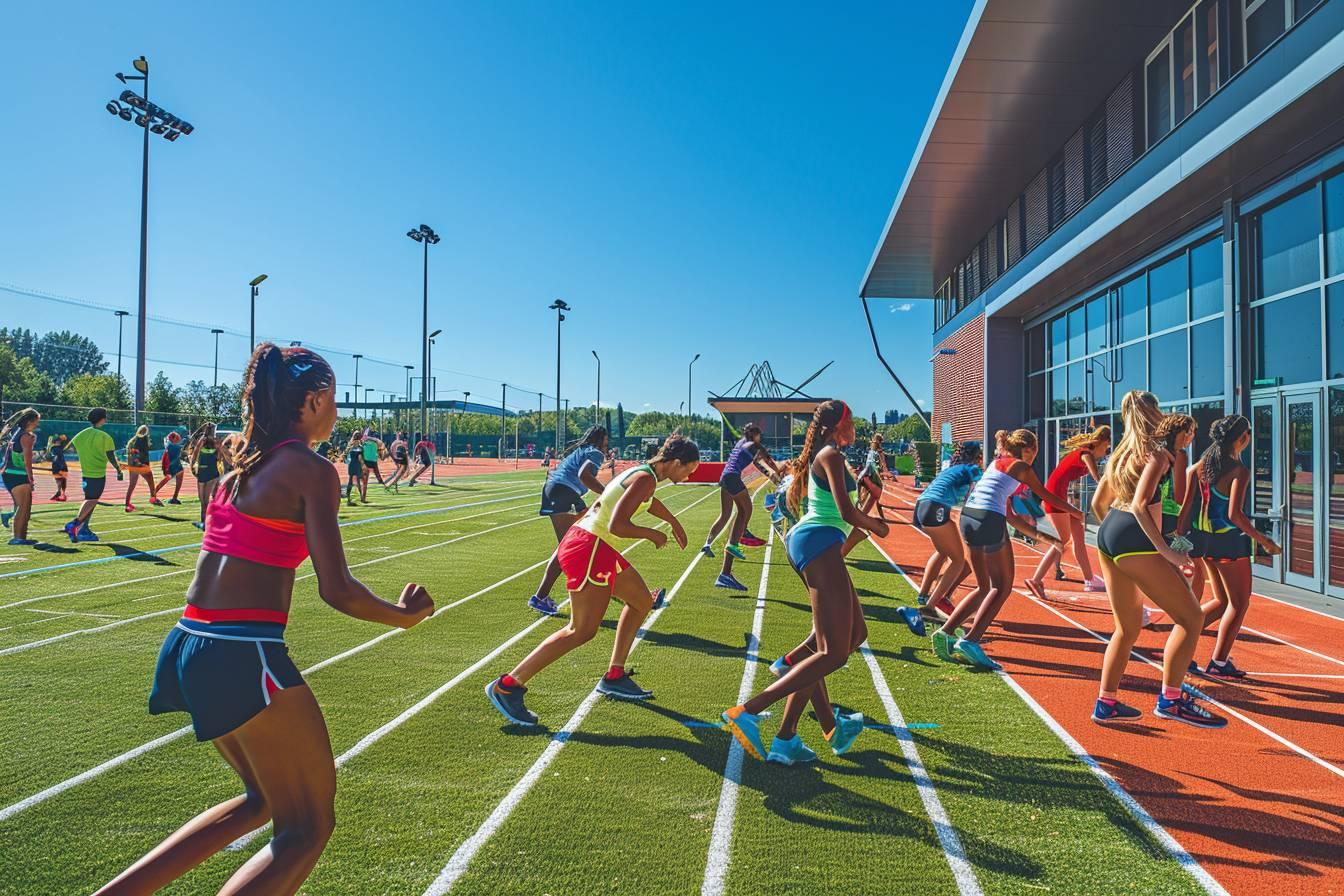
column 995, row 487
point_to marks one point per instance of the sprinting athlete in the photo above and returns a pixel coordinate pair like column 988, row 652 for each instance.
column 596, row 571
column 225, row 660
column 814, row 542
column 354, row 470
column 137, row 462
column 17, row 438
column 1222, row 535
column 172, row 466
column 60, row 470
column 401, row 458
column 946, row 567
column 562, row 502
column 733, row 496
column 424, row 458
column 1136, row 558
column 1082, row 453
column 204, row 452
column 95, row 450
column 984, row 528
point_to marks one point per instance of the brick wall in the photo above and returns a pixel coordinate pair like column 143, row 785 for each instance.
column 959, row 382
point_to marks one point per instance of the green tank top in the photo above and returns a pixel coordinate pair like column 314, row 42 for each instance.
column 821, row 507
column 1170, row 506
column 370, row 451
column 15, row 456
column 598, row 520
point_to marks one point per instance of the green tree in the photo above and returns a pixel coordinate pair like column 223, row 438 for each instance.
column 163, row 396
column 912, row 428
column 96, row 390
column 21, row 381
column 64, row 355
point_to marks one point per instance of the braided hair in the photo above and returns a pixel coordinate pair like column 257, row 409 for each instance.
column 1218, row 458
column 1171, row 426
column 275, row 386
column 826, row 419
column 592, row 436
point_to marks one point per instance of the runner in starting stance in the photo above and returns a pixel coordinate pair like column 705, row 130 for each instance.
column 401, row 457
column 733, row 495
column 424, row 459
column 596, row 571
column 946, row 567
column 225, row 661
column 562, row 502
column 172, row 466
column 1082, row 452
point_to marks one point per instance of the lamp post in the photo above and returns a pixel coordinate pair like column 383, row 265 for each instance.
column 131, row 106
column 503, row 425
column 559, row 306
column 121, row 318
column 367, row 390
column 216, row 331
column 253, row 288
column 355, row 410
column 689, row 406
column 427, row 237
column 409, row 368
column 597, row 405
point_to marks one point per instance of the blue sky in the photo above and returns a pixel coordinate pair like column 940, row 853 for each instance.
column 689, row 177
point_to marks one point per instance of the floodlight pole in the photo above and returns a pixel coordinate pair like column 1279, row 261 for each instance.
column 689, row 413
column 216, row 331
column 254, row 287
column 559, row 306
column 121, row 318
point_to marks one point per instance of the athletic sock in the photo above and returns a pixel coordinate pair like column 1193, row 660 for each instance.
column 1108, row 697
column 1171, row 693
column 614, row 673
column 509, row 681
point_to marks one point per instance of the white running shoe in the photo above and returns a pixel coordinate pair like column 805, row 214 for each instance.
column 1096, row 584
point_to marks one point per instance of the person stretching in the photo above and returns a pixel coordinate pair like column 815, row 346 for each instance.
column 562, row 502
column 946, row 567
column 733, row 496
column 1082, row 452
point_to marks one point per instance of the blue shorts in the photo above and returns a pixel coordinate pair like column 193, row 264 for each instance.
column 810, row 542
column 175, row 469
column 222, row 673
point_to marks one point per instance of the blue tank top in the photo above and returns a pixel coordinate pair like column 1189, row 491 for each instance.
column 950, row 486
column 571, row 465
column 1213, row 511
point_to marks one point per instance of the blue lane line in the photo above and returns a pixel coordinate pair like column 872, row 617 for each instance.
column 184, row 547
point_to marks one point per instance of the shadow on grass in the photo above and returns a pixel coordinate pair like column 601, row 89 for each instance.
column 126, row 552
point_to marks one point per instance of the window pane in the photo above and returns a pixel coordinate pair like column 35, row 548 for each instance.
column 1288, row 254
column 1206, row 359
column 1334, row 329
column 1133, row 370
column 1101, row 387
column 1158, row 82
column 1262, row 26
column 1077, row 389
column 1206, row 49
column 1335, row 484
column 1059, row 340
column 1166, row 290
column 1282, row 354
column 1183, row 44
column 1077, row 333
column 1134, row 309
column 1168, row 367
column 1035, row 397
column 1036, row 348
column 1204, row 413
column 1334, row 226
column 1059, row 391
column 1206, row 279
column 1096, row 324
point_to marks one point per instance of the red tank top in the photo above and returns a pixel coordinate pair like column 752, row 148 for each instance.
column 1069, row 470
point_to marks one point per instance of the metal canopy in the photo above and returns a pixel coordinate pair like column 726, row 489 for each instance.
column 1025, row 75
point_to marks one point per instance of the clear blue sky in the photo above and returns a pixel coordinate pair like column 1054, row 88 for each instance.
column 690, row 177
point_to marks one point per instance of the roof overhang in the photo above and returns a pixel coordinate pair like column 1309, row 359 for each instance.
column 765, row 405
column 1024, row 76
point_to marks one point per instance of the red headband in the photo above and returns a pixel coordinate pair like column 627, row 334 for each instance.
column 844, row 415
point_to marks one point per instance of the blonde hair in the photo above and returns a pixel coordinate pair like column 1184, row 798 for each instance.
column 1014, row 442
column 1142, row 419
column 1086, row 439
column 1171, row 425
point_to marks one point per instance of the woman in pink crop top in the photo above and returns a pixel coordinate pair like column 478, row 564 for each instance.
column 225, row 660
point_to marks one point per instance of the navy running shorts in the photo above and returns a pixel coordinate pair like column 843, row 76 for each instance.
column 14, row 480
column 558, row 498
column 93, row 487
column 732, row 483
column 986, row 530
column 931, row 514
column 1120, row 535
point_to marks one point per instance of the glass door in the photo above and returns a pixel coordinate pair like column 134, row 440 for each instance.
column 1303, row 487
column 1266, row 482
column 1334, row 492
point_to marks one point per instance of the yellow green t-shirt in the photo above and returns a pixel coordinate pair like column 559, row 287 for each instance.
column 92, row 445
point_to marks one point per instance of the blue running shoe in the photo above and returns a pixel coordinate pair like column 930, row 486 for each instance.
column 779, row 667
column 1193, row 668
column 747, row 729
column 509, row 702
column 726, row 580
column 87, row 534
column 543, row 605
column 21, row 542
column 913, row 620
column 846, row 731
column 623, row 688
column 736, row 551
column 790, row 752
column 707, row 551
column 659, row 596
column 72, row 530
column 1224, row 669
column 1188, row 711
column 922, row 599
column 975, row 654
column 5, row 518
column 1115, row 712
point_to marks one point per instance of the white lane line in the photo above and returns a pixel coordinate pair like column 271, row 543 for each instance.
column 721, row 838
column 1288, row 675
column 1209, row 698
column 123, row 758
column 1183, row 858
column 32, row 622
column 32, row 645
column 74, row 613
column 457, row 865
column 1286, row 643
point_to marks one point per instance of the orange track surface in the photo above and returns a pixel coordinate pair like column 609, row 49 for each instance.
column 1257, row 813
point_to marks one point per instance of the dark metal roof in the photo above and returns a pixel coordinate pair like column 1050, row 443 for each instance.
column 1026, row 74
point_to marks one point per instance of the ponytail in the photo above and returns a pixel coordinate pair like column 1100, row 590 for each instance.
column 592, row 436
column 1218, row 458
column 275, row 386
column 17, row 420
column 1086, row 439
column 826, row 419
column 1014, row 442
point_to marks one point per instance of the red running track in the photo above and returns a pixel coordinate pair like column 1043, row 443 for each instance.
column 1259, row 804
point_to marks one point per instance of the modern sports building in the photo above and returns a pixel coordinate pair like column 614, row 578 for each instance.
column 1140, row 194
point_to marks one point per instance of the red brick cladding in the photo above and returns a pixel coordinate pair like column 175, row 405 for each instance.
column 959, row 382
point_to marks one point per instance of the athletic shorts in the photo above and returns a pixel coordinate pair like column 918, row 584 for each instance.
column 807, row 543
column 424, row 458
column 931, row 514
column 58, row 468
column 732, row 483
column 586, row 559
column 142, row 469
column 557, row 498
column 1121, row 536
column 403, row 462
column 14, row 480
column 986, row 530
column 175, row 469
column 207, row 476
column 355, row 469
column 93, row 487
column 222, row 673
column 1220, row 546
column 370, row 463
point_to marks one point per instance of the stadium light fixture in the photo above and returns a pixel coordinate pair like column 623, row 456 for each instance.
column 252, row 329
column 426, row 236
column 559, row 306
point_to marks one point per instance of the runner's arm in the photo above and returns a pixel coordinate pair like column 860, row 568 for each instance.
column 659, row 509
column 27, row 441
column 1236, row 512
column 641, row 486
column 588, row 476
column 833, row 462
column 1091, row 463
column 1152, row 474
column 1022, row 472
column 1187, row 500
